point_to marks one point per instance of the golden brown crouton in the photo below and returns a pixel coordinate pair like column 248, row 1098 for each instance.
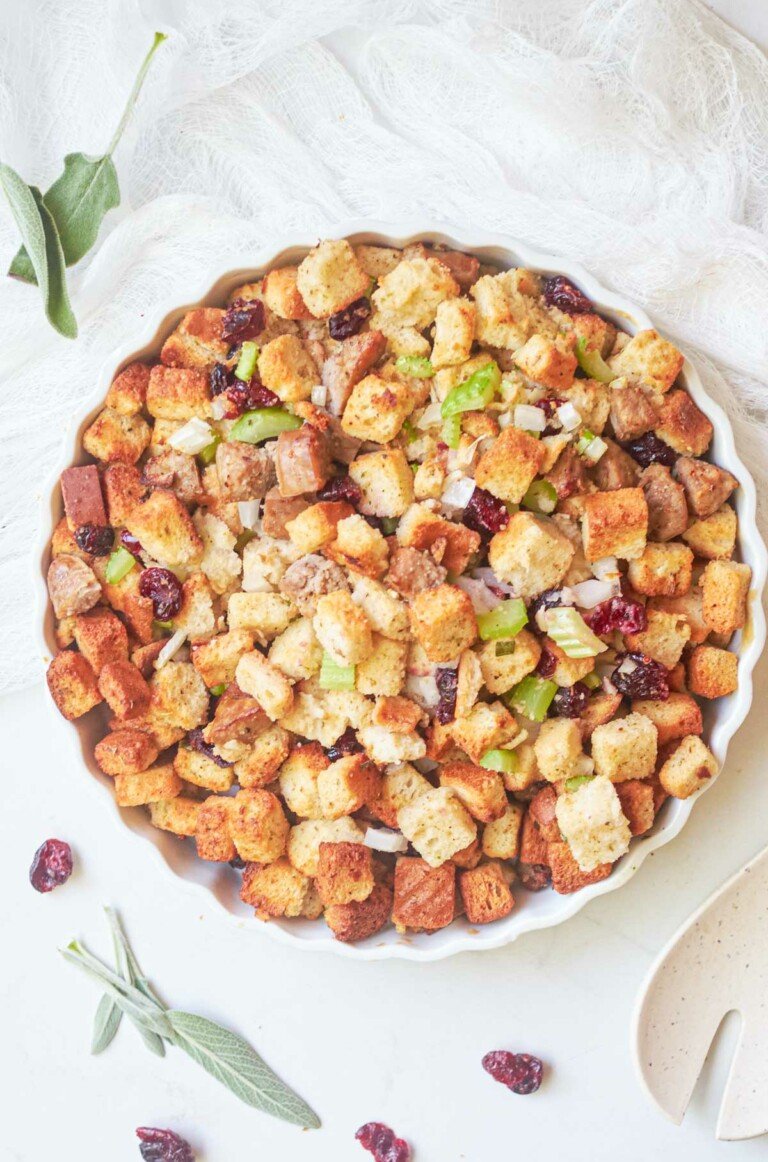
column 683, row 425
column 216, row 659
column 485, row 893
column 546, row 362
column 377, row 407
column 501, row 837
column 400, row 715
column 124, row 689
column 625, row 748
column 487, row 726
column 113, row 436
column 385, row 480
column 344, row 873
column 101, row 637
column 347, row 785
column 212, row 832
column 531, row 554
column 361, row 918
column 425, row 897
column 298, row 779
column 259, row 826
column 306, row 837
column 197, row 341
column 673, row 718
column 164, row 528
column 507, row 312
column 503, row 671
column 480, row 790
column 128, row 390
column 342, row 629
column 123, row 490
column 712, row 673
column 177, row 815
column 449, row 543
column 196, row 768
column 567, row 876
column 400, row 785
column 383, row 671
column 179, row 695
column 377, row 261
column 136, row 790
column 649, row 359
column 637, row 805
column 713, row 537
column 443, row 621
column 257, row 676
column 615, row 524
column 264, row 615
column 125, row 752
column 664, row 638
column 662, row 570
column 411, row 293
column 316, row 525
column 281, row 294
column 598, row 333
column 330, row 277
column 724, row 591
column 689, row 606
column 287, row 369
column 72, row 684
column 454, row 332
column 509, row 465
column 558, row 749
column 178, row 393
column 437, row 824
column 267, row 754
column 689, row 766
column 359, row 547
column 275, row 889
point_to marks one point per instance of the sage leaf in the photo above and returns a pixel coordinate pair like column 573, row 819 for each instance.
column 85, row 192
column 233, row 1062
column 43, row 246
column 106, row 1022
column 131, row 1001
column 129, row 970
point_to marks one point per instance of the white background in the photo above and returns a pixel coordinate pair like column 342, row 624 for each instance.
column 397, row 1042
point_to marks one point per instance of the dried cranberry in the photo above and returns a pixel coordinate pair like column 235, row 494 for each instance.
column 243, row 397
column 560, row 293
column 546, row 600
column 218, row 378
column 570, row 701
column 447, row 684
column 195, row 741
column 51, row 866
column 345, row 744
column 95, row 539
column 382, row 1143
column 237, row 863
column 649, row 449
column 485, row 513
column 341, row 488
column 549, row 407
column 129, row 542
column 518, row 1071
column 245, row 319
column 163, row 1146
column 350, row 320
column 534, row 876
column 547, row 664
column 164, row 590
column 618, row 613
column 646, row 678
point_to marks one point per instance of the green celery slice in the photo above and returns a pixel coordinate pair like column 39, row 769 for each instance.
column 119, row 565
column 452, row 431
column 208, row 454
column 569, row 630
column 541, row 497
column 263, row 424
column 505, row 761
column 531, row 697
column 414, row 366
column 592, row 363
column 336, row 677
column 505, row 621
column 474, row 393
column 577, row 781
column 246, row 364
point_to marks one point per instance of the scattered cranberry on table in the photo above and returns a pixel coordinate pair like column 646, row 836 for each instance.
column 382, row 1143
column 51, row 866
column 518, row 1071
column 163, row 1146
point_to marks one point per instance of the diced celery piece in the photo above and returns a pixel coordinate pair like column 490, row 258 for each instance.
column 569, row 630
column 592, row 681
column 506, row 620
column 208, row 454
column 246, row 364
column 505, row 761
column 474, row 393
column 592, row 363
column 541, row 497
column 591, row 446
column 217, row 691
column 503, row 649
column 263, row 424
column 163, row 626
column 532, row 697
column 335, row 677
column 414, row 366
column 409, row 431
column 243, row 539
column 119, row 565
column 452, row 431
column 389, row 525
column 577, row 781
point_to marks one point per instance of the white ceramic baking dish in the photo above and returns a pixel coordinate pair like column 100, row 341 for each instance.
column 177, row 857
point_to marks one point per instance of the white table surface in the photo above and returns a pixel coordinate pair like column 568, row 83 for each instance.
column 393, row 1041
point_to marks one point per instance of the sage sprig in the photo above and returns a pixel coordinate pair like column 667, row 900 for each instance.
column 59, row 227
column 222, row 1053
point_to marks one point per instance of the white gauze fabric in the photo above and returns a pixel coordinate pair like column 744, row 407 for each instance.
column 631, row 135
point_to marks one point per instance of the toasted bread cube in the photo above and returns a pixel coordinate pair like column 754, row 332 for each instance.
column 443, row 621
column 593, row 824
column 342, row 629
column 411, row 293
column 296, row 651
column 724, row 591
column 178, row 393
column 689, row 766
column 469, row 683
column 257, row 676
column 361, row 918
column 507, row 313
column 501, row 837
column 299, row 776
column 546, row 362
column 275, row 889
column 212, row 832
column 384, row 746
column 480, row 790
column 542, row 809
column 72, row 684
column 383, row 671
column 315, row 526
column 149, row 786
column 196, row 768
column 530, row 554
column 558, row 749
column 177, row 815
column 400, row 340
column 664, row 638
column 197, row 341
column 503, row 671
column 124, row 689
column 260, row 766
column 663, row 570
column 216, row 659
column 688, row 606
column 566, row 875
column 509, row 465
column 330, row 277
column 287, row 368
column 123, row 490
column 485, row 894
column 707, row 487
column 712, row 673
column 164, row 528
column 425, row 896
column 113, row 436
column 469, row 857
column 125, row 598
column 128, row 390
column 421, row 528
column 636, row 798
column 526, row 773
column 305, row 839
column 359, row 547
column 400, row 785
column 385, row 480
column 384, row 610
column 281, row 294
column 101, row 637
column 196, row 617
column 259, row 827
column 377, row 407
column 487, row 726
column 625, row 748
column 437, row 824
column 180, row 694
column 125, row 752
column 683, row 425
column 347, row 785
column 63, row 542
column 615, row 524
column 673, row 718
column 454, row 332
column 533, row 862
column 377, row 261
column 345, row 873
column 567, row 670
column 713, row 537
column 264, row 614
column 649, row 359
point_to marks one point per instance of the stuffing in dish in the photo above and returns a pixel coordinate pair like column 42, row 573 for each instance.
column 399, row 580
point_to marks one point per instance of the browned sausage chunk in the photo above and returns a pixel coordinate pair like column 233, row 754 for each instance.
column 411, row 571
column 615, row 469
column 278, row 510
column 302, row 460
column 706, row 486
column 308, row 579
column 667, row 510
column 348, row 365
column 73, row 586
column 245, row 472
column 632, row 413
column 174, row 470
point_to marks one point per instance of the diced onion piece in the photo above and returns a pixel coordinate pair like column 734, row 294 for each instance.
column 248, row 510
column 606, row 568
column 505, row 621
column 382, row 839
column 595, row 449
column 505, row 419
column 568, row 416
column 336, row 677
column 628, row 666
column 319, row 395
column 568, row 629
column 219, row 407
column 422, row 688
column 529, row 418
column 192, row 437
column 457, row 493
column 588, row 594
column 430, row 417
column 489, row 577
column 483, row 599
column 171, row 647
